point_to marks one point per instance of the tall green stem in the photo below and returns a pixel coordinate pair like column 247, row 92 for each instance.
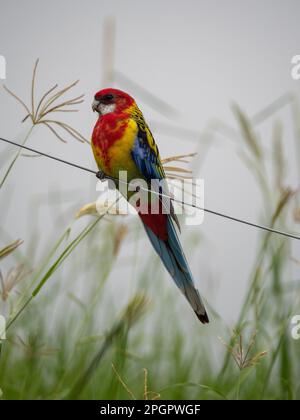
column 16, row 157
column 67, row 251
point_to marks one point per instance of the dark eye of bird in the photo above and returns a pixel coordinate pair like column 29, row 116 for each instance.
column 107, row 97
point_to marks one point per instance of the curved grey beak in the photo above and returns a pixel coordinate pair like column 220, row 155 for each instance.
column 95, row 105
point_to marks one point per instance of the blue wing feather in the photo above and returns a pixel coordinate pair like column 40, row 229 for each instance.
column 170, row 251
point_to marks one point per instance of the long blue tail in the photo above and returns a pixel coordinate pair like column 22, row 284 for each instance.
column 173, row 258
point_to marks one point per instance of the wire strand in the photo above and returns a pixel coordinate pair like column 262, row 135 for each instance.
column 216, row 213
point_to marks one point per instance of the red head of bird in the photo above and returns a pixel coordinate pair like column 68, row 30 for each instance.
column 111, row 100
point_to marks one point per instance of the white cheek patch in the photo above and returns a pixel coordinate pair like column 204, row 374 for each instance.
column 106, row 109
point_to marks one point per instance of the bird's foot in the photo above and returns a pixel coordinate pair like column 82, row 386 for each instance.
column 101, row 175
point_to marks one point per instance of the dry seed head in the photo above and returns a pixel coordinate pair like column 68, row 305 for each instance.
column 87, row 209
column 179, row 158
column 147, row 395
column 120, row 235
column 32, row 348
column 51, row 102
column 99, row 208
column 240, row 353
column 10, row 248
column 14, row 276
column 135, row 309
column 278, row 156
column 297, row 214
column 284, row 199
column 176, row 172
column 248, row 133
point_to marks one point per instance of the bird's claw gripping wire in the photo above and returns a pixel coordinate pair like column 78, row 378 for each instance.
column 101, row 175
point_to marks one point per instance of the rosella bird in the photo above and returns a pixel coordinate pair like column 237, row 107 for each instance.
column 122, row 141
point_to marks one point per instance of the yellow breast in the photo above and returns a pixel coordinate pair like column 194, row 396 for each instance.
column 117, row 156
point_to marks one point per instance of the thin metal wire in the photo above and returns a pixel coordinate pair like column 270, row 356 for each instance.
column 49, row 156
column 216, row 213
